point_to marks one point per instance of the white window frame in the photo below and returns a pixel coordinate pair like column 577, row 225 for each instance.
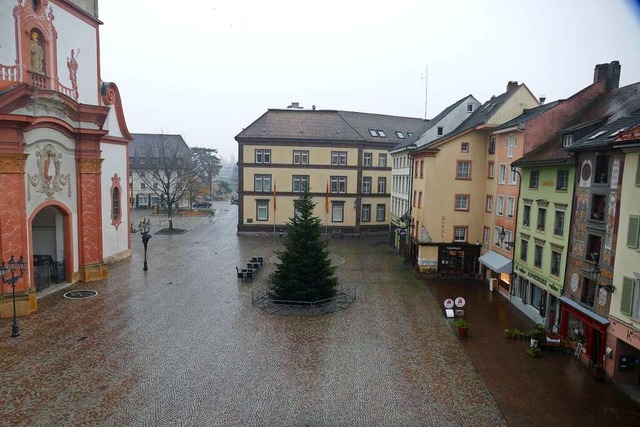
column 262, row 210
column 299, row 183
column 500, row 205
column 513, row 176
column 511, row 142
column 338, row 184
column 337, row 211
column 489, row 203
column 366, row 213
column 259, row 181
column 382, row 160
column 300, row 157
column 339, row 158
column 366, row 185
column 367, row 159
column 511, row 206
column 263, row 156
column 502, row 173
column 462, row 202
column 456, row 236
column 382, row 185
column 381, row 212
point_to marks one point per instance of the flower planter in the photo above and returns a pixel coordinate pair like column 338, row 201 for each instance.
column 463, row 331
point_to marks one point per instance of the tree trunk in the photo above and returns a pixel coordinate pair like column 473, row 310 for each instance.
column 169, row 210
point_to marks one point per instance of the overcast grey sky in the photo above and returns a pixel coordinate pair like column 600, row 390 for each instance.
column 208, row 68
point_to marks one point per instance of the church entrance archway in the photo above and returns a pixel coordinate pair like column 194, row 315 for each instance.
column 51, row 246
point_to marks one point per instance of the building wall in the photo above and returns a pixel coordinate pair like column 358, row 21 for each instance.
column 584, row 226
column 518, row 101
column 449, row 122
column 623, row 335
column 114, row 169
column 540, row 129
column 437, row 213
column 627, row 259
column 80, row 35
column 319, row 170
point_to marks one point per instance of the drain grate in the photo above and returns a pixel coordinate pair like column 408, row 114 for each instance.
column 81, row 294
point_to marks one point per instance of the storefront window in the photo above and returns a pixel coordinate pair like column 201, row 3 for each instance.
column 538, row 298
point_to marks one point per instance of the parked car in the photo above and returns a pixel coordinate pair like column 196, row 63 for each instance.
column 201, row 205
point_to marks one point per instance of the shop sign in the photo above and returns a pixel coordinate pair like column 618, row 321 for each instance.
column 454, row 248
column 633, row 337
column 548, row 183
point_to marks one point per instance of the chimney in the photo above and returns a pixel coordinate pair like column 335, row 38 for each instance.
column 542, row 99
column 608, row 72
column 295, row 106
column 511, row 86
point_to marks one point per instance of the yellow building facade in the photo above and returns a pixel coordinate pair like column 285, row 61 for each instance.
column 341, row 157
column 451, row 184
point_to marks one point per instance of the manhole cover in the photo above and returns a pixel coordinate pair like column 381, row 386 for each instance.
column 80, row 294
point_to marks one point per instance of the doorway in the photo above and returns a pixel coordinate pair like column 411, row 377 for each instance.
column 50, row 246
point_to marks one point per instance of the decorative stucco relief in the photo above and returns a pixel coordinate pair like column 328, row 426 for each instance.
column 50, row 179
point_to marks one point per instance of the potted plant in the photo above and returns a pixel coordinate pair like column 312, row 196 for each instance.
column 463, row 326
column 537, row 335
column 533, row 351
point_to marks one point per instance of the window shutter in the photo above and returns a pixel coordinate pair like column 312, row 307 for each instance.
column 627, row 296
column 638, row 173
column 632, row 233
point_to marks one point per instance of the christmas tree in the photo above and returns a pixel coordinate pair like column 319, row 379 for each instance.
column 305, row 272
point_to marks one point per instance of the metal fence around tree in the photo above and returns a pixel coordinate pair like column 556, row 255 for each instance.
column 344, row 296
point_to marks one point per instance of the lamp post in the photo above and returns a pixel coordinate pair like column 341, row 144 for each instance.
column 4, row 272
column 144, row 227
column 595, row 274
column 503, row 235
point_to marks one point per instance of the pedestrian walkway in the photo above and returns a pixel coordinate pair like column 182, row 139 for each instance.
column 554, row 389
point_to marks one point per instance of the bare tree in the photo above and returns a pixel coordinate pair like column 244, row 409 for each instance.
column 206, row 164
column 165, row 166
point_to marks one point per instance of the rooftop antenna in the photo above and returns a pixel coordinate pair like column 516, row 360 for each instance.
column 426, row 89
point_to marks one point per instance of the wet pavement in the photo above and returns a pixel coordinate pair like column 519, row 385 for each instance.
column 182, row 345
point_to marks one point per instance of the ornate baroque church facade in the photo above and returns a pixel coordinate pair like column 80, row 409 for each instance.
column 63, row 149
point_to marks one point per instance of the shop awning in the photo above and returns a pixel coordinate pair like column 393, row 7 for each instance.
column 496, row 262
column 579, row 307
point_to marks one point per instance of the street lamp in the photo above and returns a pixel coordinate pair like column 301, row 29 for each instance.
column 503, row 235
column 595, row 273
column 144, row 227
column 4, row 271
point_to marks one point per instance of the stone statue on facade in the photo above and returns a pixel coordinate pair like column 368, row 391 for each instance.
column 72, row 64
column 37, row 54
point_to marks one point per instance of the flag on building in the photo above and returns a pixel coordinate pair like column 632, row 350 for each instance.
column 326, row 198
column 274, row 196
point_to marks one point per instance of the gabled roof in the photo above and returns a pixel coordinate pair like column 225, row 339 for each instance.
column 528, row 114
column 479, row 117
column 431, row 123
column 608, row 134
column 607, row 108
column 330, row 125
column 549, row 153
column 146, row 144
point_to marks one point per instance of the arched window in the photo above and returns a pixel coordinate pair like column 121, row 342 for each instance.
column 116, row 201
column 115, row 204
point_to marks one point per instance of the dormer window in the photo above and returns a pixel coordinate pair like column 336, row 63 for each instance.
column 567, row 140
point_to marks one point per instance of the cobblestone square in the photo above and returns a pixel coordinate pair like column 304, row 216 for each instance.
column 183, row 345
